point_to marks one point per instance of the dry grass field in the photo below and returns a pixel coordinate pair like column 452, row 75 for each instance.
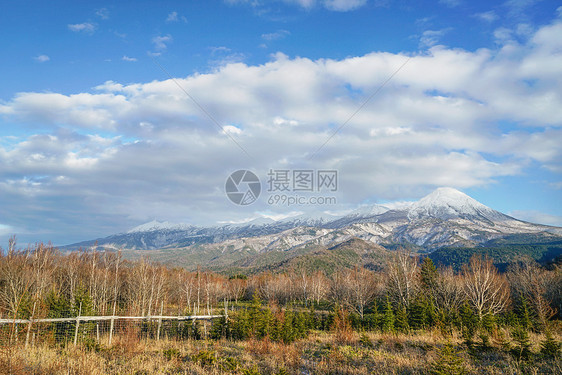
column 320, row 353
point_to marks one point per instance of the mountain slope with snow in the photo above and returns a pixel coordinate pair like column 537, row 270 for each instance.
column 445, row 217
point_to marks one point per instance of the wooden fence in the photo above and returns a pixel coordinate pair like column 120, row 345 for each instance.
column 112, row 318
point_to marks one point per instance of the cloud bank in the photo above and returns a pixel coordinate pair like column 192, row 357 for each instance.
column 121, row 154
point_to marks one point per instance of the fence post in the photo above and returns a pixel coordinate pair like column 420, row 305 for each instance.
column 77, row 324
column 112, row 323
column 159, row 321
column 30, row 323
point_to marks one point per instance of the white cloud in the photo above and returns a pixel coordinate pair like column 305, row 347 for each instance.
column 161, row 42
column 131, row 152
column 42, row 58
column 334, row 5
column 231, row 129
column 489, row 16
column 303, row 3
column 175, row 17
column 517, row 8
column 86, row 27
column 430, row 38
column 172, row 17
column 127, row 58
column 451, row 3
column 102, row 13
column 537, row 217
column 279, row 34
column 222, row 55
column 344, row 5
column 6, row 230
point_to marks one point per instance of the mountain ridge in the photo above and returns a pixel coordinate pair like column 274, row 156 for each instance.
column 444, row 218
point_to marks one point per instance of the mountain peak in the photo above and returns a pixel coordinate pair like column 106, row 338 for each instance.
column 449, row 196
column 447, row 202
column 157, row 225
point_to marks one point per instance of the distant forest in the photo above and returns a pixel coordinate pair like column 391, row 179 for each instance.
column 48, row 283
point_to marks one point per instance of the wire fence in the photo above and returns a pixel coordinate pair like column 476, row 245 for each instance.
column 96, row 330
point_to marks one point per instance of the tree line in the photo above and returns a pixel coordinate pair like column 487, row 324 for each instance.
column 409, row 294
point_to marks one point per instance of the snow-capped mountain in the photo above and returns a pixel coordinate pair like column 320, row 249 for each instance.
column 445, row 217
column 448, row 203
column 157, row 225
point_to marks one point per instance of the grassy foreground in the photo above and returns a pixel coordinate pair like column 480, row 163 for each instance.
column 320, row 353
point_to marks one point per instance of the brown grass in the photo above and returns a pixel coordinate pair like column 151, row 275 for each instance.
column 321, row 353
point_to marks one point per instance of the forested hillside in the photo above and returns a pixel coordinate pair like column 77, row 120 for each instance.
column 484, row 309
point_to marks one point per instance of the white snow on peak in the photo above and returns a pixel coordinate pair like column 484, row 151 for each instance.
column 157, row 225
column 311, row 218
column 369, row 210
column 446, row 202
column 253, row 222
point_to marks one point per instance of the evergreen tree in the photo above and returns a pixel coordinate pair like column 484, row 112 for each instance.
column 241, row 326
column 57, row 305
column 449, row 362
column 489, row 322
column 429, row 274
column 523, row 316
column 264, row 320
column 550, row 348
column 388, row 317
column 401, row 322
column 288, row 334
column 522, row 349
column 219, row 329
column 469, row 323
column 419, row 312
column 254, row 315
column 83, row 304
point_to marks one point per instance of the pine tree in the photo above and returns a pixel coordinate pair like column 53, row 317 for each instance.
column 449, row 362
column 57, row 305
column 254, row 315
column 388, row 317
column 401, row 322
column 469, row 323
column 550, row 348
column 264, row 319
column 418, row 314
column 241, row 326
column 288, row 334
column 488, row 322
column 522, row 349
column 83, row 304
column 429, row 274
column 523, row 316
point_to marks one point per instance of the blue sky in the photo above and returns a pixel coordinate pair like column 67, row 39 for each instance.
column 96, row 138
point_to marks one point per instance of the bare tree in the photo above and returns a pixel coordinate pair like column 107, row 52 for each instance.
column 16, row 278
column 43, row 264
column 236, row 288
column 486, row 290
column 319, row 286
column 362, row 285
column 302, row 282
column 403, row 278
column 448, row 293
column 530, row 281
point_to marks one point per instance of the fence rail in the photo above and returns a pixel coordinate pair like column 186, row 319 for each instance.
column 109, row 317
column 73, row 328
